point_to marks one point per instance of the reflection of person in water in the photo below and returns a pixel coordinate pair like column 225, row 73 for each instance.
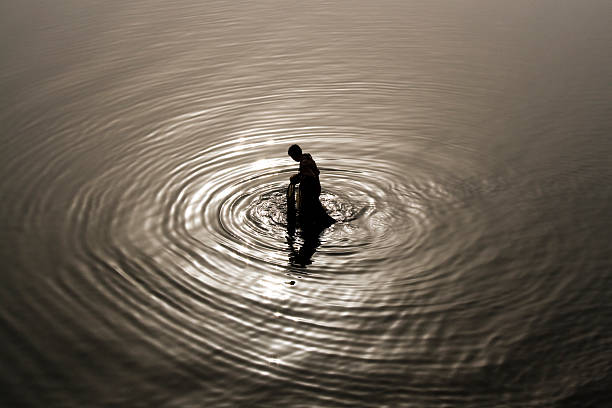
column 311, row 214
column 303, row 255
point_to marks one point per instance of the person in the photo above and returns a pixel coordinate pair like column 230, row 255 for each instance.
column 312, row 214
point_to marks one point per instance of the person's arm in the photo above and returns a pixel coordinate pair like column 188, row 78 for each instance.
column 296, row 178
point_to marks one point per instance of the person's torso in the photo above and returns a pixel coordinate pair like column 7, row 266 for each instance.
column 308, row 167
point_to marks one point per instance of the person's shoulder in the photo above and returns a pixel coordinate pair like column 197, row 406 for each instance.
column 307, row 160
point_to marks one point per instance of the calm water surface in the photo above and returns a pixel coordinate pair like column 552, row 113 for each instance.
column 464, row 148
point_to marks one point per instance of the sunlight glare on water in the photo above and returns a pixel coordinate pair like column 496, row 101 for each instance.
column 464, row 153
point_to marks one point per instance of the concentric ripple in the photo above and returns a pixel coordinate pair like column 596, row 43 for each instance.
column 197, row 238
column 147, row 260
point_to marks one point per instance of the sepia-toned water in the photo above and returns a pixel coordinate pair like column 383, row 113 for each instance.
column 464, row 149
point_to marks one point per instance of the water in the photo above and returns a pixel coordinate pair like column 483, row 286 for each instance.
column 464, row 148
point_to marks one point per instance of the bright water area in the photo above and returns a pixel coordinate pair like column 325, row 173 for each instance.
column 464, row 148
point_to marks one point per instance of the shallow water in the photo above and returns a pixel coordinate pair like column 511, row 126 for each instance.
column 464, row 149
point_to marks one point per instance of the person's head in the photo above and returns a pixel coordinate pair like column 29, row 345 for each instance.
column 295, row 152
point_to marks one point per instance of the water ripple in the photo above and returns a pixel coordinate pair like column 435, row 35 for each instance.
column 146, row 171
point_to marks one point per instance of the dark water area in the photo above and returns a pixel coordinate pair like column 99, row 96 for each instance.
column 464, row 149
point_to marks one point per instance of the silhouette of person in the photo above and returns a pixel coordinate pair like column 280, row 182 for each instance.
column 312, row 216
